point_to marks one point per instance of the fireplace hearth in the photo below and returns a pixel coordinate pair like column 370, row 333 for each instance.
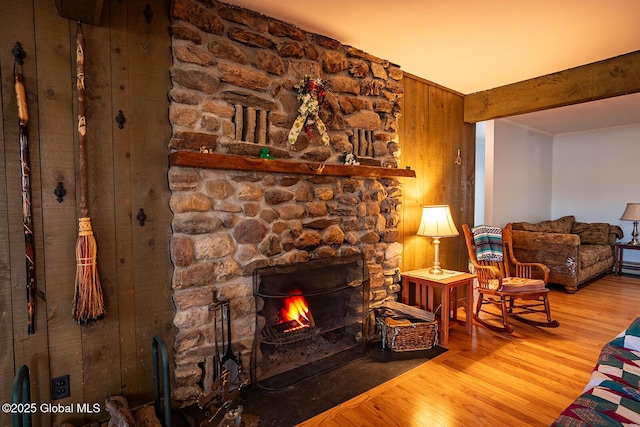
column 311, row 317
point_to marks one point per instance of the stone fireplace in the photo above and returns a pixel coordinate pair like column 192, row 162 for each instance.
column 238, row 218
column 310, row 317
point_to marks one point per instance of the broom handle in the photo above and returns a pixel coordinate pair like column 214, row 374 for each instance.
column 27, row 220
column 82, row 122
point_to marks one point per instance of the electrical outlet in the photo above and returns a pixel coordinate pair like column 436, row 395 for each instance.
column 60, row 387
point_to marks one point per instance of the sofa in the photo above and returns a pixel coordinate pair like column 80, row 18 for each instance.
column 575, row 252
column 612, row 396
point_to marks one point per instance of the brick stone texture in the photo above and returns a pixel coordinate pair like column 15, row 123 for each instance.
column 233, row 67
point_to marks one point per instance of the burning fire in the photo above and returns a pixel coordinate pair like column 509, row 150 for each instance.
column 295, row 312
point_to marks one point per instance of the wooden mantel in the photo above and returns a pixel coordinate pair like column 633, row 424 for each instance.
column 235, row 162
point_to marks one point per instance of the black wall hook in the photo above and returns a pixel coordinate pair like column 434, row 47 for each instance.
column 148, row 13
column 141, row 217
column 18, row 53
column 121, row 119
column 60, row 192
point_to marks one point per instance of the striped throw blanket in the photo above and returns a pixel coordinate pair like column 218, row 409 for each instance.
column 488, row 243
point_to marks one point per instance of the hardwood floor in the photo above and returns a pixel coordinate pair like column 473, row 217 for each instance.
column 488, row 379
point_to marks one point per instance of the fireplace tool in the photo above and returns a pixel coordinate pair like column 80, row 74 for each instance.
column 227, row 383
column 229, row 361
column 216, row 357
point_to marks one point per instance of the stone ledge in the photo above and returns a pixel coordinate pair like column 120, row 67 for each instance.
column 232, row 162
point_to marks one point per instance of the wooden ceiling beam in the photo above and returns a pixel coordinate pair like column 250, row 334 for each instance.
column 604, row 79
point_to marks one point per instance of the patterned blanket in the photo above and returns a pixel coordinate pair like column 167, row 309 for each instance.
column 612, row 396
column 487, row 241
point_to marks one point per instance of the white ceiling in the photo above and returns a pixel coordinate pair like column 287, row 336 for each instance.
column 471, row 45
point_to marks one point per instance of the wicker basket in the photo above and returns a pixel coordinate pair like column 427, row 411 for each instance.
column 408, row 336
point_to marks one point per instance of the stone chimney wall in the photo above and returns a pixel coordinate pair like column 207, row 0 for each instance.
column 233, row 78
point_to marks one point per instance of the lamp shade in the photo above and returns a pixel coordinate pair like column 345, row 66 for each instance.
column 437, row 222
column 632, row 212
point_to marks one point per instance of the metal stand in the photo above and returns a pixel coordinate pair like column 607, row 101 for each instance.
column 21, row 393
column 634, row 235
column 159, row 350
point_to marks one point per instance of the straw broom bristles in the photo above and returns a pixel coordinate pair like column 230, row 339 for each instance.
column 88, row 303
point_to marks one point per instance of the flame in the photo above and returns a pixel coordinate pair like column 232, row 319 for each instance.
column 296, row 308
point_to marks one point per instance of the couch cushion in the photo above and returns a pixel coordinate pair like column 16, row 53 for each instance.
column 590, row 254
column 595, row 233
column 560, row 225
column 517, row 284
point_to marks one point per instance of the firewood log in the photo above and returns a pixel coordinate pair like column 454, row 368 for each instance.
column 249, row 420
column 146, row 417
column 118, row 408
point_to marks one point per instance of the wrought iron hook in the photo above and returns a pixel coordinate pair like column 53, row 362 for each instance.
column 18, row 53
column 141, row 217
column 60, row 192
column 121, row 119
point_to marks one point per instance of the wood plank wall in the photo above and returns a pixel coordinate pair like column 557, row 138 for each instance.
column 431, row 131
column 127, row 68
column 128, row 63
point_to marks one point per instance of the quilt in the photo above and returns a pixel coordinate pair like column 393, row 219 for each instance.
column 612, row 396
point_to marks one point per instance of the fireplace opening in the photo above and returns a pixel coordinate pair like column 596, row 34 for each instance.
column 295, row 320
column 310, row 317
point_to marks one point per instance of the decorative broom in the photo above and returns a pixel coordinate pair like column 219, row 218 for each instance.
column 88, row 303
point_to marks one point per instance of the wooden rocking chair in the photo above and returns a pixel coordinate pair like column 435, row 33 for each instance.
column 497, row 286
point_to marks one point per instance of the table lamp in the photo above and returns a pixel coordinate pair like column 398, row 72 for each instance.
column 436, row 222
column 632, row 213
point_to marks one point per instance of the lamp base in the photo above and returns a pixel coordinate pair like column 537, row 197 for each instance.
column 634, row 235
column 436, row 270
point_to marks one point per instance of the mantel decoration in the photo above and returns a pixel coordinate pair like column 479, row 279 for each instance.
column 311, row 93
column 351, row 159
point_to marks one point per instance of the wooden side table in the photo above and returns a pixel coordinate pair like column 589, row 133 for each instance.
column 425, row 284
column 618, row 258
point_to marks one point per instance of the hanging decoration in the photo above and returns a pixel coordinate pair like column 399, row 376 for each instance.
column 27, row 221
column 88, row 303
column 311, row 93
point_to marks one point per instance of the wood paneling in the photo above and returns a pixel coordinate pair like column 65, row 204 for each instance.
column 490, row 379
column 127, row 68
column 122, row 190
column 603, row 79
column 55, row 103
column 149, row 62
column 431, row 132
column 30, row 350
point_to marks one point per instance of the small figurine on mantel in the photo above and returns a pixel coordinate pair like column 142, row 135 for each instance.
column 351, row 159
column 264, row 154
